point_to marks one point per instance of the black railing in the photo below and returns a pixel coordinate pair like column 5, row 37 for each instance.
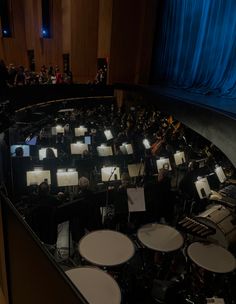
column 33, row 275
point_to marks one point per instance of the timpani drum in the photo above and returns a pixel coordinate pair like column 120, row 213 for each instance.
column 160, row 237
column 95, row 285
column 106, row 248
column 211, row 257
column 210, row 265
column 165, row 241
column 222, row 220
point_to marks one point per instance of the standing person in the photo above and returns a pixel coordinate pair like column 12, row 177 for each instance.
column 43, row 216
column 89, row 216
column 3, row 75
column 11, row 74
column 59, row 78
column 20, row 76
column 164, row 207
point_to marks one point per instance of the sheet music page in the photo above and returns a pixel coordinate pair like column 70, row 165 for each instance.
column 136, row 170
column 65, row 179
column 136, row 200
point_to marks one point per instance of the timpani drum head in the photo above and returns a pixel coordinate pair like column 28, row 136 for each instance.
column 211, row 257
column 160, row 237
column 96, row 285
column 106, row 248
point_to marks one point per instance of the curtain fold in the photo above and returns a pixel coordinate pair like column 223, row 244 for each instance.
column 196, row 48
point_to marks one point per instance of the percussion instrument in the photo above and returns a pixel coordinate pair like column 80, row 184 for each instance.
column 95, row 285
column 165, row 241
column 211, row 264
column 106, row 248
column 222, row 220
column 160, row 237
column 211, row 257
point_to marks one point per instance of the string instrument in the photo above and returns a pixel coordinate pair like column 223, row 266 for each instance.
column 155, row 147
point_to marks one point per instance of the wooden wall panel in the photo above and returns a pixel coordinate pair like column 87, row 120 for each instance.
column 66, row 26
column 146, row 38
column 119, row 30
column 13, row 50
column 126, row 20
column 104, row 28
column 84, row 39
column 48, row 51
column 30, row 24
column 133, row 24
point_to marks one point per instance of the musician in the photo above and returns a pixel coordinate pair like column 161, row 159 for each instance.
column 164, row 206
column 50, row 162
column 121, row 203
column 89, row 216
column 42, row 217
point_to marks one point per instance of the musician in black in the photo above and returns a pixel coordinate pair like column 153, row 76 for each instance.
column 43, row 215
column 164, row 202
column 89, row 216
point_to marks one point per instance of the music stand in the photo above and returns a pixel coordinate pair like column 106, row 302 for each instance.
column 80, row 131
column 58, row 129
column 110, row 173
column 126, row 149
column 220, row 174
column 136, row 199
column 201, row 162
column 136, row 170
column 203, row 188
column 104, row 150
column 67, row 178
column 78, row 148
column 42, row 152
column 161, row 162
column 108, row 134
column 38, row 176
column 179, row 157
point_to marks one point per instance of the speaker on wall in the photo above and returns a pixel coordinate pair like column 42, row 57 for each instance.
column 5, row 18
column 46, row 31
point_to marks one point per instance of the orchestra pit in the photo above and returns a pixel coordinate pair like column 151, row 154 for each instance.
column 118, row 175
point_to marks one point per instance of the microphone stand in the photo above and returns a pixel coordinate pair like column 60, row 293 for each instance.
column 139, row 171
column 107, row 196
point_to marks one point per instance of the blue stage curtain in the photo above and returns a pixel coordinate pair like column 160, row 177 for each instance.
column 196, row 48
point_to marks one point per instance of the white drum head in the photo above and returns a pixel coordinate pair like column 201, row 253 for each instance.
column 160, row 237
column 106, row 248
column 211, row 257
column 95, row 285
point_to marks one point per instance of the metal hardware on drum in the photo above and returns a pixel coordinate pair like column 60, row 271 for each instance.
column 209, row 265
column 222, row 220
column 194, row 227
column 165, row 241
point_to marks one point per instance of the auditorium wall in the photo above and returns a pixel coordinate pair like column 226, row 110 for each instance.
column 120, row 31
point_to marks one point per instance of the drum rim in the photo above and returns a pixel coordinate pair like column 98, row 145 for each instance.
column 99, row 270
column 106, row 265
column 166, row 251
column 216, row 245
